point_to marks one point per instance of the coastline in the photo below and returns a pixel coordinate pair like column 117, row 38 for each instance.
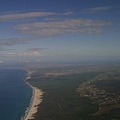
column 36, row 99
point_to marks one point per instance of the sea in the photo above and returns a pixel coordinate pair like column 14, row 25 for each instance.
column 15, row 94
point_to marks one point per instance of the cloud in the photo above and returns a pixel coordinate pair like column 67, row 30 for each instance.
column 23, row 54
column 38, row 60
column 68, row 13
column 10, row 43
column 52, row 19
column 1, row 61
column 10, row 54
column 27, row 15
column 99, row 9
column 14, row 41
column 53, row 28
column 36, row 49
column 31, row 54
column 26, row 61
column 12, row 16
column 5, row 49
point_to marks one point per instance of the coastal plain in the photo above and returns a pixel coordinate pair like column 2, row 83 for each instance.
column 63, row 87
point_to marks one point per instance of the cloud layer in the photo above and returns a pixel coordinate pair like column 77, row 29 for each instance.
column 96, row 9
column 50, row 24
column 36, row 49
column 99, row 9
column 27, row 15
column 53, row 28
column 14, row 41
column 23, row 54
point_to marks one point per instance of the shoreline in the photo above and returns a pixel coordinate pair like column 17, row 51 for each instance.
column 36, row 99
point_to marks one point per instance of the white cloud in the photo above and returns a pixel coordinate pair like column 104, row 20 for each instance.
column 99, row 9
column 24, row 54
column 36, row 49
column 31, row 54
column 14, row 16
column 68, row 13
column 38, row 60
column 52, row 19
column 26, row 61
column 45, row 29
column 28, row 15
column 14, row 41
column 1, row 61
column 10, row 54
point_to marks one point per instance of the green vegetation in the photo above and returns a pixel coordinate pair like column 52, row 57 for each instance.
column 104, row 90
column 78, row 92
column 61, row 100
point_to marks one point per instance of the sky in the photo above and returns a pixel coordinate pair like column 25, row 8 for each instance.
column 59, row 30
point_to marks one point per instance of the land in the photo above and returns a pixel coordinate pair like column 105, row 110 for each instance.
column 77, row 92
column 104, row 90
column 35, row 101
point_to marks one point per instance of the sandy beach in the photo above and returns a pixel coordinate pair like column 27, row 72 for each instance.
column 35, row 101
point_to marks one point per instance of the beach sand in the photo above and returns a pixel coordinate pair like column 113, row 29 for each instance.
column 36, row 100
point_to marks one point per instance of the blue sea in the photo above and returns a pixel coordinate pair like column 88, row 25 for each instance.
column 15, row 94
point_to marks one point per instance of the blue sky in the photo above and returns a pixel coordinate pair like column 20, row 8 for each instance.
column 59, row 30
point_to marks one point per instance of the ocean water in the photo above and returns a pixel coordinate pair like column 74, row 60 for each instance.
column 15, row 94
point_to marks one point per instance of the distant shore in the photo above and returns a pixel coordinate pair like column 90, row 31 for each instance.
column 35, row 100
